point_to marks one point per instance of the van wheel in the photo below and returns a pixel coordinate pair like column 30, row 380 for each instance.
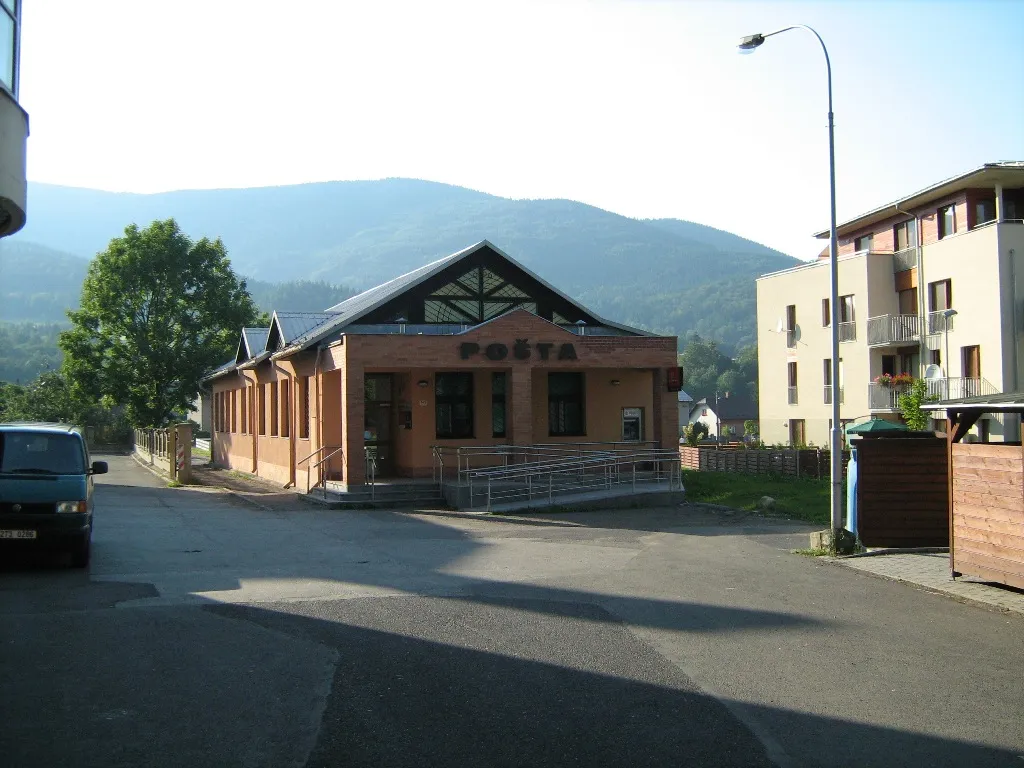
column 80, row 551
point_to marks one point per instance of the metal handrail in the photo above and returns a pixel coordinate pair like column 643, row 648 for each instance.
column 328, row 457
column 370, row 461
column 554, row 468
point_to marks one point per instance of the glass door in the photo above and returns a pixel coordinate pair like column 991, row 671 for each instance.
column 379, row 413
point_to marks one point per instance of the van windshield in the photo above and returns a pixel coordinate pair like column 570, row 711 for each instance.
column 41, row 453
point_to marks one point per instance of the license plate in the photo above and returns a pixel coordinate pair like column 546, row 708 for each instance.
column 17, row 534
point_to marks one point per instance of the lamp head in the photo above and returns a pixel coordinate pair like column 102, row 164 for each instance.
column 948, row 312
column 750, row 42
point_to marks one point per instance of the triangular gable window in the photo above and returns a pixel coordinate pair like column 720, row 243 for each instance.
column 470, row 299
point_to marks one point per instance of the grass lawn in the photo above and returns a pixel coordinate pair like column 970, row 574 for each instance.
column 799, row 499
column 200, row 452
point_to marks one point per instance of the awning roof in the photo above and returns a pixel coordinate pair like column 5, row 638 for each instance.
column 1004, row 401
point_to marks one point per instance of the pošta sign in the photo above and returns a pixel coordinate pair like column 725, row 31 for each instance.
column 521, row 350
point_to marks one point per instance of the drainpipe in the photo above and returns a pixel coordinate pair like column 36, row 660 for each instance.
column 317, row 376
column 291, row 422
column 1015, row 331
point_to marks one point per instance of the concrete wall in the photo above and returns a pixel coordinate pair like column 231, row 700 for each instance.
column 13, row 188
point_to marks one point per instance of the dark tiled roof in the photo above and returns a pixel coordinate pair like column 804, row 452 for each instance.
column 350, row 310
column 1003, row 401
column 255, row 340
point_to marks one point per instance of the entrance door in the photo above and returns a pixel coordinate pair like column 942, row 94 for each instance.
column 379, row 411
column 797, row 435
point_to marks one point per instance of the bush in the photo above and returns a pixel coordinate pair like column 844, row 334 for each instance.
column 694, row 433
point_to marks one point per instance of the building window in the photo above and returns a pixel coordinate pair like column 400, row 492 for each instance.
column 234, row 410
column 947, row 221
column 971, row 362
column 565, row 404
column 847, row 319
column 863, row 243
column 984, row 211
column 889, row 364
column 791, row 325
column 261, row 407
column 286, row 410
column 791, row 376
column 304, row 383
column 846, row 313
column 453, row 401
column 797, row 433
column 498, row 407
column 940, row 295
column 908, row 301
column 826, row 314
column 243, row 415
column 935, row 357
column 9, row 52
column 905, row 235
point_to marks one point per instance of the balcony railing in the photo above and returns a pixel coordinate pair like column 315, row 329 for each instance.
column 955, row 389
column 893, row 329
column 904, row 260
column 792, row 395
column 828, row 395
column 938, row 322
column 848, row 331
column 886, row 398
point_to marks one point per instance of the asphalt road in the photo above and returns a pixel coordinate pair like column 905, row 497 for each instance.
column 209, row 632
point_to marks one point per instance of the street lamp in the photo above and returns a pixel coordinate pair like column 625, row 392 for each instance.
column 747, row 45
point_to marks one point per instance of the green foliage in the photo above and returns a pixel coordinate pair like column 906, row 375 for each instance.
column 708, row 370
column 750, row 428
column 38, row 284
column 157, row 311
column 910, row 401
column 694, row 433
column 50, row 397
column 27, row 350
column 297, row 295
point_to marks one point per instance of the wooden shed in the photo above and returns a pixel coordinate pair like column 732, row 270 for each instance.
column 986, row 482
column 902, row 495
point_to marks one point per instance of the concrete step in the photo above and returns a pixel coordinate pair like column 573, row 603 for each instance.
column 383, row 497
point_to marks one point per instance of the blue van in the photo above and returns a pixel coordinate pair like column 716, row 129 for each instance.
column 46, row 488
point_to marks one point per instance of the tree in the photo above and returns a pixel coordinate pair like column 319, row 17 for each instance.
column 157, row 312
column 909, row 403
column 703, row 363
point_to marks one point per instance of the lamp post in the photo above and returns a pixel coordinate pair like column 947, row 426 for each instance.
column 747, row 45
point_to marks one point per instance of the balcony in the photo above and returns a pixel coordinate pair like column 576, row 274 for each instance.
column 828, row 395
column 847, row 331
column 904, row 260
column 886, row 398
column 792, row 396
column 955, row 389
column 893, row 330
column 940, row 322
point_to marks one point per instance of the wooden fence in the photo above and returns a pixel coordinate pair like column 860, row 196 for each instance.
column 169, row 450
column 988, row 512
column 788, row 462
column 902, row 492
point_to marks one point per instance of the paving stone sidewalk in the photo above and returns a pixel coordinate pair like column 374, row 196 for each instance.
column 931, row 571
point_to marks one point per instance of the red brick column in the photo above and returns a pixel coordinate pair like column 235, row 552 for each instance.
column 666, row 412
column 353, row 422
column 521, row 403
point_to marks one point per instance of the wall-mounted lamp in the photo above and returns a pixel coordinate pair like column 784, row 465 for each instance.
column 422, row 383
column 615, row 382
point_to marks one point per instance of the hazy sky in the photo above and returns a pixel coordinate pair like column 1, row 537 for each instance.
column 642, row 108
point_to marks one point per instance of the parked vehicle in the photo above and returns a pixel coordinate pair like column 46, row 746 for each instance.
column 46, row 488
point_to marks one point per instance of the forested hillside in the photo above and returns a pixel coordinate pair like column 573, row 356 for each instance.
column 668, row 275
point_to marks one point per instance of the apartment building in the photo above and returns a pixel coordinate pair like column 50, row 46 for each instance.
column 13, row 122
column 930, row 286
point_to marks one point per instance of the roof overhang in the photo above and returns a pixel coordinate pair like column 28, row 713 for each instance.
column 988, row 174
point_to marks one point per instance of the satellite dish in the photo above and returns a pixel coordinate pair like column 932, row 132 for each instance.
column 933, row 372
column 780, row 326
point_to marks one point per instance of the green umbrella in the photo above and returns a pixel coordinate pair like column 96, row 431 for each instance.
column 872, row 426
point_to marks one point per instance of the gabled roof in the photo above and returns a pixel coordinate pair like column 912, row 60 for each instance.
column 220, row 370
column 736, row 406
column 286, row 327
column 352, row 309
column 252, row 342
